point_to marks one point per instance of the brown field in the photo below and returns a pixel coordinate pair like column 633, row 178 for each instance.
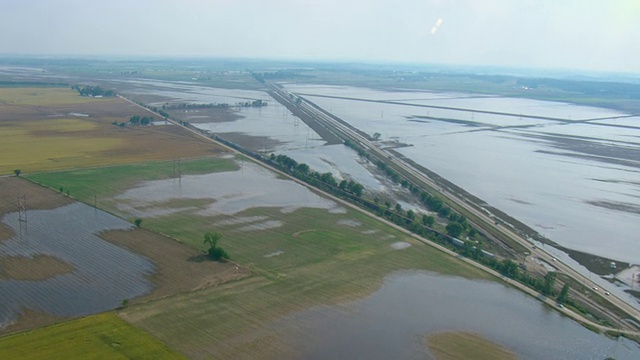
column 37, row 197
column 39, row 267
column 179, row 267
column 43, row 129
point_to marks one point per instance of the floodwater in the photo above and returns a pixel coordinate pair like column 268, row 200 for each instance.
column 191, row 92
column 273, row 121
column 573, row 178
column 392, row 323
column 103, row 275
column 232, row 192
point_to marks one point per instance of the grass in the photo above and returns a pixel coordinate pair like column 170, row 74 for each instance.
column 460, row 345
column 327, row 265
column 106, row 182
column 41, row 96
column 103, row 336
column 322, row 260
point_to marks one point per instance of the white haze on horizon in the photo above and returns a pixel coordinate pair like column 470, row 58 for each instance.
column 570, row 34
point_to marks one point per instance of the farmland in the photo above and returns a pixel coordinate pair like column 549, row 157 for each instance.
column 75, row 265
column 102, row 336
column 309, row 254
column 55, row 128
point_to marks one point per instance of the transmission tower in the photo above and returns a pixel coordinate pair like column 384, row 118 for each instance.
column 22, row 215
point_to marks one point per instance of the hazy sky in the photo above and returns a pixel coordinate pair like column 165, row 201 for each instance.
column 574, row 34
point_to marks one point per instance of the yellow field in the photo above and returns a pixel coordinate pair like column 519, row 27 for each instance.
column 42, row 129
column 41, row 96
column 102, row 336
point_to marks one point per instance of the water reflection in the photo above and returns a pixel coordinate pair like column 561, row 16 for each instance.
column 392, row 323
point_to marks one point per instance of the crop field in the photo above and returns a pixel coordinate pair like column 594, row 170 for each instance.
column 61, row 250
column 304, row 249
column 102, row 336
column 314, row 258
column 102, row 184
column 55, row 128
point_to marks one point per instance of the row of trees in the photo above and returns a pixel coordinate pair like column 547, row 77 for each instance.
column 184, row 106
column 324, row 180
column 93, row 91
column 137, row 120
column 455, row 228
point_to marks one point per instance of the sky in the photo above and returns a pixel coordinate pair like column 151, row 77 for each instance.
column 559, row 34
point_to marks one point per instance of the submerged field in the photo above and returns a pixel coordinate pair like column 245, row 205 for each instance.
column 55, row 128
column 85, row 260
column 298, row 254
column 304, row 249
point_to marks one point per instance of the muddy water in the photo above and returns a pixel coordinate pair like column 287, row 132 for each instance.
column 103, row 275
column 392, row 323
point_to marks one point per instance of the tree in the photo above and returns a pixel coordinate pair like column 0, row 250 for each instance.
column 564, row 294
column 376, row 136
column 509, row 268
column 17, row 172
column 211, row 239
column 215, row 253
column 428, row 220
column 549, row 281
column 137, row 222
column 454, row 229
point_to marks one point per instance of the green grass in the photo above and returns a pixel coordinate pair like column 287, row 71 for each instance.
column 328, row 265
column 322, row 262
column 105, row 182
column 103, row 336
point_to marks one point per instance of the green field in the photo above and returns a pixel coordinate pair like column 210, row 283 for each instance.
column 102, row 336
column 328, row 264
column 88, row 184
column 312, row 257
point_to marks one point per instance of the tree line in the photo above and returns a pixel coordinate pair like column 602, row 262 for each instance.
column 136, row 121
column 93, row 91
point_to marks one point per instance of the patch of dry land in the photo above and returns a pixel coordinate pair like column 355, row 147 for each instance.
column 179, row 267
column 462, row 345
column 55, row 128
column 38, row 267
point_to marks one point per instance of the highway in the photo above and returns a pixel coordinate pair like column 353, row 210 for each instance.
column 339, row 127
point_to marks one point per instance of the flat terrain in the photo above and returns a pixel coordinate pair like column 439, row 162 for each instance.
column 37, row 198
column 38, row 267
column 299, row 257
column 460, row 345
column 55, row 128
column 311, row 260
column 89, row 185
column 179, row 268
column 102, row 336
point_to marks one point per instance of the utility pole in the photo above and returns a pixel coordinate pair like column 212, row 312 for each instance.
column 22, row 214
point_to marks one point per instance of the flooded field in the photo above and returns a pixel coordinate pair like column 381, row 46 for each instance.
column 77, row 272
column 392, row 323
column 227, row 193
column 190, row 92
column 570, row 171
